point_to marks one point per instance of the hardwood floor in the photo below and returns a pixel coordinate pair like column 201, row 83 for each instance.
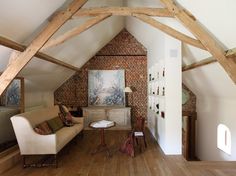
column 76, row 160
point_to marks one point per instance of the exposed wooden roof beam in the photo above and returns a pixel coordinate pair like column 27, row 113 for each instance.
column 189, row 21
column 124, row 11
column 199, row 64
column 229, row 54
column 19, row 47
column 75, row 31
column 58, row 20
column 17, row 77
column 170, row 31
column 14, row 54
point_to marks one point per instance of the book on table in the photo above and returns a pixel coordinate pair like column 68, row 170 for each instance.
column 138, row 133
column 102, row 124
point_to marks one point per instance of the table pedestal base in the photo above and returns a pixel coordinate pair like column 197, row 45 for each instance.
column 102, row 146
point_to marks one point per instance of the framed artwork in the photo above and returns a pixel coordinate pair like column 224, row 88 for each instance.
column 106, row 88
column 13, row 93
column 185, row 96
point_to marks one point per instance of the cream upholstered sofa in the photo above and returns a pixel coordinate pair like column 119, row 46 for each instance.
column 32, row 143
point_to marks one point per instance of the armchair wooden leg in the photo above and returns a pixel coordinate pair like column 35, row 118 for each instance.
column 136, row 140
column 144, row 139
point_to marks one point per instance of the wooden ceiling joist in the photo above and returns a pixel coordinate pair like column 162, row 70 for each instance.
column 170, row 31
column 19, row 47
column 199, row 64
column 75, row 31
column 10, row 73
column 229, row 54
column 123, row 11
column 17, row 77
column 189, row 21
column 14, row 54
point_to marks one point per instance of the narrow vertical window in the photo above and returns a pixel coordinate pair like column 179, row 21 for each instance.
column 224, row 138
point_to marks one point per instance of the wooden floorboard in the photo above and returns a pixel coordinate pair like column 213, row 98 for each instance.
column 76, row 160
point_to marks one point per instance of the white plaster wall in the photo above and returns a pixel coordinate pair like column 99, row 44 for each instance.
column 173, row 97
column 215, row 91
column 38, row 99
column 211, row 113
column 154, row 41
column 167, row 131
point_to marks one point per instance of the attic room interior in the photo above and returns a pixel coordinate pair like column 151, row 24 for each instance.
column 117, row 87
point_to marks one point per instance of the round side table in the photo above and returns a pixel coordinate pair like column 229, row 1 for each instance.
column 102, row 146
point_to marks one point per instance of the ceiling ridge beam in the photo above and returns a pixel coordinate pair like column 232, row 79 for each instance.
column 170, row 31
column 19, row 47
column 228, row 53
column 123, row 11
column 75, row 31
column 190, row 22
column 12, row 70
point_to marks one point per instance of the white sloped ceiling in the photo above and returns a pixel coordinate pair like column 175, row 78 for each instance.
column 218, row 17
column 21, row 21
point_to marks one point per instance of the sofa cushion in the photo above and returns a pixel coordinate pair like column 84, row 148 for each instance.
column 43, row 128
column 78, row 127
column 55, row 124
column 64, row 135
column 39, row 131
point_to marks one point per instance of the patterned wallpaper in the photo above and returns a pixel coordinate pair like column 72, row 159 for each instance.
column 122, row 52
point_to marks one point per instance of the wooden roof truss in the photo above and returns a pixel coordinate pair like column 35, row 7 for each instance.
column 202, row 40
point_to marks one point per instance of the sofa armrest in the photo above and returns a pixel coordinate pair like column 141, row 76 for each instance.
column 78, row 120
column 30, row 142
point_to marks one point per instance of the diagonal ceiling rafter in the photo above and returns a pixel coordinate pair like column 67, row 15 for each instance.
column 75, row 31
column 19, row 47
column 203, row 41
column 170, row 31
column 189, row 21
column 58, row 20
column 229, row 54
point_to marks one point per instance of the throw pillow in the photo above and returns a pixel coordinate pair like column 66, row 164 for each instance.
column 55, row 124
column 66, row 119
column 43, row 128
column 39, row 131
column 69, row 119
column 62, row 109
column 68, row 116
column 65, row 108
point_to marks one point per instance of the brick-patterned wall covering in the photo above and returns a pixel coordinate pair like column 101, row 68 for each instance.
column 191, row 104
column 123, row 44
column 123, row 52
